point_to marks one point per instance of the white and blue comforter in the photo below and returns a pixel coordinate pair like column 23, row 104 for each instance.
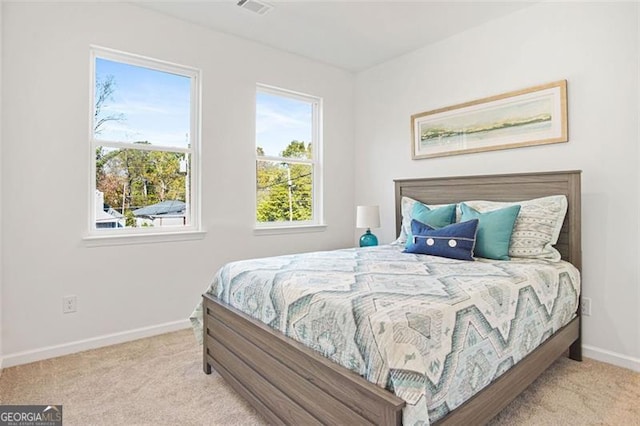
column 433, row 330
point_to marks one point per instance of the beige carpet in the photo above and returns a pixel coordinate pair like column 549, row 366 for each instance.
column 159, row 380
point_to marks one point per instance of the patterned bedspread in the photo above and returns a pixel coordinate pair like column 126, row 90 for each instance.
column 433, row 330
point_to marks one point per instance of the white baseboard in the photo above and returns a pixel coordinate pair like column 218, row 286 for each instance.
column 611, row 357
column 94, row 342
column 26, row 357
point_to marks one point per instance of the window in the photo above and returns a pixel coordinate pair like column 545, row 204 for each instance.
column 144, row 145
column 288, row 158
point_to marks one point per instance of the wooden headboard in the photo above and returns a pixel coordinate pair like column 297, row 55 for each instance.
column 505, row 187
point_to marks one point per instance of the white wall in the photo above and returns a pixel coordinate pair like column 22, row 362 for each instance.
column 1, row 241
column 45, row 172
column 637, row 138
column 592, row 45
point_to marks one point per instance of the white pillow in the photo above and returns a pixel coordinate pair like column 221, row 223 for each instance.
column 537, row 227
column 406, row 206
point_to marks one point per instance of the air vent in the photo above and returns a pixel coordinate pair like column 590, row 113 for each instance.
column 255, row 6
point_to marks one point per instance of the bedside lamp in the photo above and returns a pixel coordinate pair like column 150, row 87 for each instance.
column 368, row 217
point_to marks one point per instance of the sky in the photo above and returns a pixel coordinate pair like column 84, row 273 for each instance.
column 155, row 105
column 280, row 120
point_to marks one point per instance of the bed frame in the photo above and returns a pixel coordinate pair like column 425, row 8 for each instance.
column 289, row 383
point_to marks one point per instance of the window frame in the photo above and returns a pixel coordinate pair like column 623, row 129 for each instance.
column 317, row 214
column 101, row 236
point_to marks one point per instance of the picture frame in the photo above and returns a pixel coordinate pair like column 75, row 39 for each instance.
column 533, row 116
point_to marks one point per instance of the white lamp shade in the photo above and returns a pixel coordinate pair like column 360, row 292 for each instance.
column 368, row 217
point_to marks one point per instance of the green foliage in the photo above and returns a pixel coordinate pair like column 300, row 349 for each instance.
column 284, row 189
column 132, row 178
column 130, row 218
column 297, row 149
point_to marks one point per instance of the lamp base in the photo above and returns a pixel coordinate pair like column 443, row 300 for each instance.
column 368, row 239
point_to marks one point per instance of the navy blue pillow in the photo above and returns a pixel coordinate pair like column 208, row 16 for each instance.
column 454, row 241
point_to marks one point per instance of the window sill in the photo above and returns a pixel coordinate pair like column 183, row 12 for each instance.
column 296, row 229
column 146, row 238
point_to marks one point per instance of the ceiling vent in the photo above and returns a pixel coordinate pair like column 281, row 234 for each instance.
column 255, row 6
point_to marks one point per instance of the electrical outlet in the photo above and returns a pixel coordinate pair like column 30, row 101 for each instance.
column 586, row 306
column 69, row 304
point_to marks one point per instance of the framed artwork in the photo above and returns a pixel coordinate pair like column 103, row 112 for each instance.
column 533, row 116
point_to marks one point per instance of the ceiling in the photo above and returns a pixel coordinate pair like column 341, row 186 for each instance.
column 353, row 35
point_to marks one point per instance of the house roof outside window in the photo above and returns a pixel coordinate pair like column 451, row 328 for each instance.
column 163, row 208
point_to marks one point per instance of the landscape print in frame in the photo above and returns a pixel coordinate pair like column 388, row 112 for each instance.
column 533, row 116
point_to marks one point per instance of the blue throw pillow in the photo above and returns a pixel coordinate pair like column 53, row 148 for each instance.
column 494, row 230
column 435, row 218
column 453, row 241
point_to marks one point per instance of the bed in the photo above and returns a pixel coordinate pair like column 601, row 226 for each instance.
column 289, row 383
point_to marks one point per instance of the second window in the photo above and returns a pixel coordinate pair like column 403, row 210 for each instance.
column 288, row 150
